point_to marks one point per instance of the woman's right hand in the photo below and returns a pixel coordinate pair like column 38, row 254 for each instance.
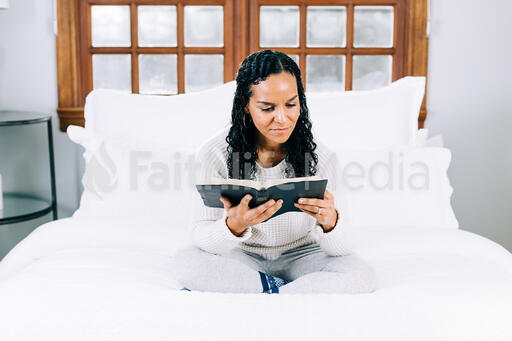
column 240, row 217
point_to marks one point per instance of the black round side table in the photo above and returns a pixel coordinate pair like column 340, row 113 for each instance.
column 20, row 206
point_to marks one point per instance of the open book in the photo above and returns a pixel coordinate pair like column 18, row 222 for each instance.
column 288, row 189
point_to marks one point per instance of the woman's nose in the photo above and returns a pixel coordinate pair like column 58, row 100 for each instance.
column 280, row 116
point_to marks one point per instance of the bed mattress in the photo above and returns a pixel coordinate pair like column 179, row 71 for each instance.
column 109, row 279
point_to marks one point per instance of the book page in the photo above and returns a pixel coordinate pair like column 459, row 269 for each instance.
column 240, row 182
column 274, row 182
column 255, row 184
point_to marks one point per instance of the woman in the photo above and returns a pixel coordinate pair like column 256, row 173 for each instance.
column 270, row 137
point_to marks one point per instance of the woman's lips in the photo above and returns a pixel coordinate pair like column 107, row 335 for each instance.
column 280, row 131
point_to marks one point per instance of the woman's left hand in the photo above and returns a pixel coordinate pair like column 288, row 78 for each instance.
column 321, row 209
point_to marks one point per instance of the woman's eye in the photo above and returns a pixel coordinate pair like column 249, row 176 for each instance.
column 268, row 109
column 271, row 108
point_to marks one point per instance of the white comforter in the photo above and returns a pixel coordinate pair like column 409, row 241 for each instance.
column 84, row 279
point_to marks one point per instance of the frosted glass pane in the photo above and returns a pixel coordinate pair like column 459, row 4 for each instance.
column 325, row 73
column 371, row 72
column 112, row 71
column 326, row 26
column 373, row 26
column 204, row 26
column 157, row 25
column 279, row 26
column 110, row 25
column 157, row 74
column 203, row 71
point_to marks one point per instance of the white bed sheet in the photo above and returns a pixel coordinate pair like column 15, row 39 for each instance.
column 87, row 279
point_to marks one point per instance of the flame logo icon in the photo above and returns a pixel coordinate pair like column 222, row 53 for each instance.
column 101, row 173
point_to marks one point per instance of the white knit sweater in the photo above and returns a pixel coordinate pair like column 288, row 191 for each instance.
column 271, row 238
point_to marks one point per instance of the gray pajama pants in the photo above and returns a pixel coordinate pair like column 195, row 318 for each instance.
column 308, row 269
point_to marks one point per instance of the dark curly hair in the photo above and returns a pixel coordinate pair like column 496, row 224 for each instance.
column 242, row 149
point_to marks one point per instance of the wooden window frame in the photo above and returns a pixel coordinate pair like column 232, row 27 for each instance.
column 397, row 50
column 240, row 39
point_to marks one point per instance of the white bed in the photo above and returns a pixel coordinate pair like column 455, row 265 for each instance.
column 109, row 279
column 104, row 273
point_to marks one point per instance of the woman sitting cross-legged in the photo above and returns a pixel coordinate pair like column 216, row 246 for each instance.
column 270, row 137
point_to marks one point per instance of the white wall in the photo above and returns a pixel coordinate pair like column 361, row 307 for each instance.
column 469, row 103
column 28, row 81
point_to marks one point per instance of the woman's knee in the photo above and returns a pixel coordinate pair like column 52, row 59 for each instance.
column 367, row 279
column 187, row 261
column 362, row 275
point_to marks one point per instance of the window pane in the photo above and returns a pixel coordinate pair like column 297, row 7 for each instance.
column 373, row 26
column 158, row 74
column 157, row 25
column 110, row 25
column 279, row 26
column 203, row 71
column 326, row 26
column 204, row 26
column 112, row 71
column 371, row 72
column 325, row 73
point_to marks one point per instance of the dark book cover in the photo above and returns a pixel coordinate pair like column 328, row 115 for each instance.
column 288, row 189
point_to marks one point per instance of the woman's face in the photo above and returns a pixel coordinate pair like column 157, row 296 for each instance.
column 275, row 108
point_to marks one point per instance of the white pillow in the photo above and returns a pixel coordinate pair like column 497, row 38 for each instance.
column 179, row 120
column 396, row 187
column 117, row 123
column 435, row 141
column 376, row 118
column 122, row 180
column 423, row 139
column 163, row 132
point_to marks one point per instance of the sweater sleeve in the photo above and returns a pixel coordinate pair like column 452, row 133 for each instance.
column 209, row 229
column 339, row 240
